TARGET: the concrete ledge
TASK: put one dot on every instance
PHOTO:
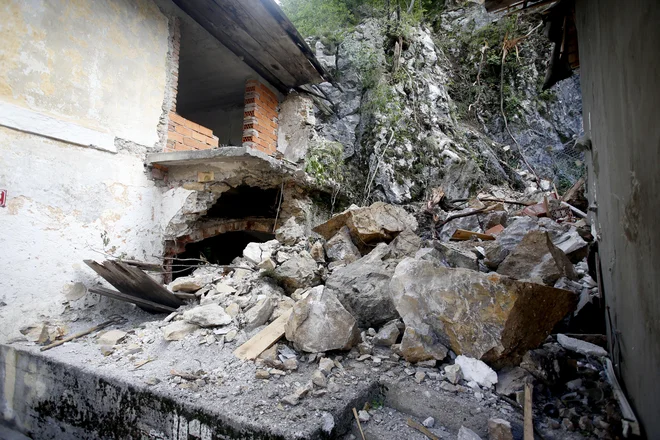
(216, 155)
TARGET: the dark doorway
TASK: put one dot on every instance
(245, 201)
(221, 249)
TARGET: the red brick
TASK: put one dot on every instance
(183, 130)
(175, 136)
(189, 141)
(199, 136)
(191, 125)
(205, 130)
(212, 141)
(176, 118)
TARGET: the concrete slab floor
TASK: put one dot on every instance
(75, 392)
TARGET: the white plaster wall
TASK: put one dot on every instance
(61, 198)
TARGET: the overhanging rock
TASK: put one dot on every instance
(485, 316)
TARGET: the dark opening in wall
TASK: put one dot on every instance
(245, 201)
(221, 249)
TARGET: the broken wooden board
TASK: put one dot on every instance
(263, 340)
(462, 235)
(145, 304)
(135, 283)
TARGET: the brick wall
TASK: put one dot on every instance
(183, 135)
(260, 118)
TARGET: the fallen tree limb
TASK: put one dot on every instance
(464, 214)
(512, 202)
(101, 326)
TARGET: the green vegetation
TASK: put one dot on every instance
(324, 163)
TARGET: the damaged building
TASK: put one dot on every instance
(177, 264)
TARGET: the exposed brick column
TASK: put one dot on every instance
(260, 117)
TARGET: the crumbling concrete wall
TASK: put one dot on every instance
(296, 126)
(619, 76)
(75, 74)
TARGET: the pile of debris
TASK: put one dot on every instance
(487, 293)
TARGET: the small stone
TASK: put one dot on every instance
(259, 313)
(446, 386)
(133, 349)
(568, 425)
(178, 330)
(364, 357)
(431, 363)
(233, 309)
(420, 376)
(363, 416)
(429, 422)
(574, 384)
(467, 434)
(387, 335)
(107, 350)
(478, 395)
(268, 264)
(499, 429)
(317, 252)
(152, 381)
(365, 348)
(326, 365)
(231, 335)
(476, 370)
(453, 373)
(290, 364)
(112, 337)
(579, 346)
(291, 399)
(262, 374)
(371, 332)
(319, 379)
(277, 372)
(376, 361)
(585, 423)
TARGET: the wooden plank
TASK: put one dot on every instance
(528, 424)
(421, 428)
(264, 339)
(463, 234)
(146, 304)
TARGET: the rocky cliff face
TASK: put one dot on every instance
(420, 106)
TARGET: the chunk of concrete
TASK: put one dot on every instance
(537, 259)
(579, 346)
(178, 330)
(111, 337)
(208, 315)
(341, 248)
(258, 314)
(476, 370)
(320, 323)
(484, 316)
(299, 271)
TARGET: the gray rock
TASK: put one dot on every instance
(429, 422)
(258, 314)
(341, 248)
(537, 259)
(406, 244)
(511, 380)
(290, 232)
(363, 287)
(419, 344)
(252, 253)
(363, 416)
(319, 379)
(387, 335)
(299, 271)
(485, 316)
(456, 255)
(208, 315)
(317, 252)
(453, 373)
(508, 239)
(579, 346)
(467, 434)
(188, 284)
(178, 330)
(111, 337)
(473, 222)
(326, 365)
(320, 323)
(499, 429)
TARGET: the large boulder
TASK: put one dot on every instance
(297, 272)
(373, 224)
(363, 287)
(505, 242)
(320, 323)
(538, 260)
(485, 316)
(458, 254)
(341, 248)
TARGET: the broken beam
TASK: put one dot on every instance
(264, 339)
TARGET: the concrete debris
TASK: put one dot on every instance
(537, 259)
(298, 271)
(363, 416)
(363, 287)
(258, 314)
(453, 373)
(208, 315)
(419, 344)
(290, 232)
(511, 381)
(178, 330)
(499, 429)
(319, 379)
(467, 434)
(388, 334)
(379, 222)
(341, 248)
(188, 284)
(429, 422)
(320, 323)
(252, 253)
(326, 365)
(582, 347)
(111, 337)
(476, 370)
(452, 302)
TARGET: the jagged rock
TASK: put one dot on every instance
(485, 316)
(317, 252)
(429, 422)
(537, 259)
(373, 224)
(363, 287)
(473, 223)
(579, 346)
(511, 380)
(178, 330)
(476, 370)
(208, 315)
(290, 232)
(457, 256)
(499, 429)
(571, 243)
(320, 323)
(453, 373)
(419, 344)
(188, 284)
(111, 337)
(268, 265)
(467, 434)
(497, 251)
(252, 253)
(326, 365)
(387, 335)
(319, 379)
(341, 248)
(299, 271)
(258, 314)
(406, 244)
